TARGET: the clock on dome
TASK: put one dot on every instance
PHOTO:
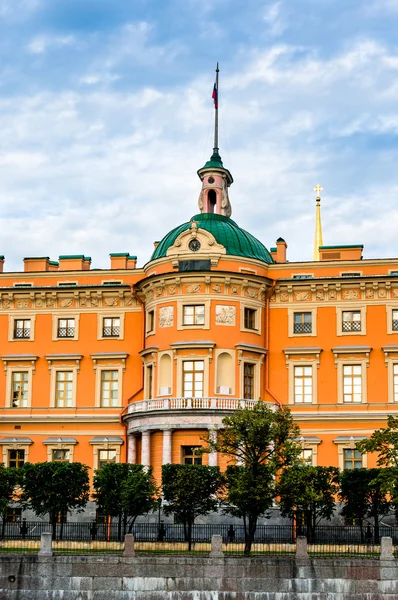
(194, 245)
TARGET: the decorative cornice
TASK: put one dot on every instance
(7, 358)
(64, 358)
(98, 356)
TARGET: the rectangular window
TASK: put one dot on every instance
(352, 383)
(248, 381)
(250, 318)
(22, 329)
(395, 320)
(13, 515)
(351, 320)
(109, 388)
(151, 320)
(302, 322)
(19, 389)
(106, 456)
(111, 327)
(352, 459)
(193, 378)
(63, 388)
(194, 314)
(60, 456)
(303, 384)
(16, 458)
(306, 457)
(149, 381)
(395, 382)
(66, 328)
(189, 455)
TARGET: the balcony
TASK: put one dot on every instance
(185, 404)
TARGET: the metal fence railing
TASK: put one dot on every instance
(79, 537)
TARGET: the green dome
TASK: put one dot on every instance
(235, 240)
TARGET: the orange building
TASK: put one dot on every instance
(129, 364)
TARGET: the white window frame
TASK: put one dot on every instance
(18, 317)
(290, 316)
(301, 378)
(54, 369)
(391, 359)
(339, 314)
(340, 379)
(193, 357)
(98, 389)
(258, 317)
(60, 446)
(349, 445)
(256, 376)
(100, 325)
(17, 446)
(116, 446)
(56, 317)
(19, 369)
(196, 301)
(151, 331)
(389, 312)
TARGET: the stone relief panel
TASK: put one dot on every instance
(302, 296)
(351, 294)
(194, 288)
(225, 315)
(166, 316)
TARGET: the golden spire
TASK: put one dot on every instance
(318, 224)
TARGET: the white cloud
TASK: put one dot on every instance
(42, 43)
(276, 24)
(18, 9)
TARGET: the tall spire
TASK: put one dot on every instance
(215, 178)
(318, 223)
(215, 98)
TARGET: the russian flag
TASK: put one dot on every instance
(215, 96)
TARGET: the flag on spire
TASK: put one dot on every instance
(215, 95)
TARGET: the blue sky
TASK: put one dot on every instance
(106, 115)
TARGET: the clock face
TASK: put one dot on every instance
(194, 245)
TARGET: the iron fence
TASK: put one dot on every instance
(80, 537)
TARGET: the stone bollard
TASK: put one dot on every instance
(386, 549)
(216, 545)
(301, 547)
(129, 545)
(46, 544)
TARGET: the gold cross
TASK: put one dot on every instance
(318, 189)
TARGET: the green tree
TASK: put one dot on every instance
(385, 442)
(261, 442)
(125, 491)
(308, 493)
(190, 491)
(9, 478)
(249, 495)
(365, 494)
(55, 489)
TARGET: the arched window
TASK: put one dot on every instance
(165, 375)
(212, 200)
(225, 382)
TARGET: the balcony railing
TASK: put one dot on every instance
(190, 404)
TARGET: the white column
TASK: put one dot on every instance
(146, 449)
(212, 456)
(166, 453)
(131, 450)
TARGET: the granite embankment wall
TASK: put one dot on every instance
(110, 577)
